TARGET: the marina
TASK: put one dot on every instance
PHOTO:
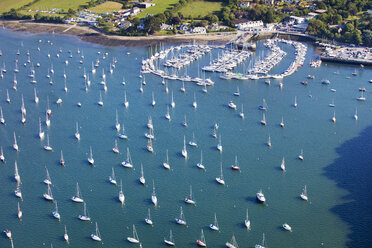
(198, 171)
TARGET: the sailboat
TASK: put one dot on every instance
(48, 196)
(23, 108)
(241, 114)
(184, 123)
(173, 104)
(166, 163)
(128, 162)
(194, 103)
(232, 243)
(287, 227)
(361, 98)
(263, 121)
(219, 145)
(148, 218)
(77, 134)
(304, 194)
(247, 222)
(90, 159)
(100, 102)
(149, 123)
(262, 245)
(193, 142)
(141, 88)
(47, 147)
(220, 179)
(201, 242)
(184, 150)
(117, 125)
(181, 220)
(200, 165)
(134, 239)
(282, 165)
(170, 241)
(23, 119)
(295, 102)
(47, 121)
(20, 214)
(97, 235)
(154, 199)
(17, 177)
(41, 133)
(356, 114)
(167, 115)
(260, 197)
(8, 233)
(7, 96)
(65, 236)
(56, 213)
(269, 142)
(48, 110)
(142, 178)
(2, 157)
(189, 199)
(237, 93)
(62, 161)
(36, 99)
(332, 104)
(205, 90)
(149, 146)
(235, 166)
(214, 226)
(122, 135)
(282, 123)
(263, 106)
(334, 117)
(121, 194)
(301, 156)
(77, 198)
(115, 149)
(126, 103)
(18, 192)
(2, 120)
(166, 87)
(84, 216)
(214, 134)
(232, 105)
(47, 180)
(183, 89)
(112, 178)
(15, 145)
(153, 100)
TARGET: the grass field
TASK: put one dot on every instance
(6, 5)
(57, 4)
(160, 7)
(108, 7)
(198, 9)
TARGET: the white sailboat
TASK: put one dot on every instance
(184, 150)
(154, 199)
(2, 157)
(122, 135)
(235, 166)
(65, 88)
(362, 98)
(282, 123)
(47, 180)
(262, 245)
(47, 121)
(232, 105)
(77, 198)
(77, 134)
(128, 162)
(287, 227)
(134, 239)
(90, 159)
(260, 197)
(301, 156)
(62, 160)
(47, 147)
(17, 177)
(97, 235)
(48, 110)
(193, 142)
(214, 226)
(237, 92)
(126, 103)
(173, 104)
(8, 234)
(181, 220)
(117, 125)
(247, 222)
(166, 87)
(2, 120)
(149, 146)
(115, 149)
(121, 194)
(219, 145)
(148, 218)
(200, 165)
(295, 102)
(304, 194)
(167, 115)
(263, 121)
(23, 108)
(36, 98)
(241, 114)
(170, 241)
(166, 163)
(153, 103)
(149, 123)
(189, 199)
(19, 213)
(7, 96)
(220, 179)
(194, 103)
(84, 216)
(41, 132)
(269, 142)
(183, 89)
(55, 213)
(356, 114)
(15, 145)
(201, 242)
(334, 117)
(142, 178)
(23, 119)
(184, 123)
(18, 192)
(49, 195)
(112, 178)
(232, 243)
(65, 236)
(282, 165)
(141, 88)
(100, 102)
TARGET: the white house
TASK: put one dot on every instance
(249, 25)
(184, 27)
(244, 4)
(199, 30)
(165, 26)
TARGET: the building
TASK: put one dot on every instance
(184, 27)
(244, 4)
(199, 30)
(269, 2)
(135, 11)
(165, 26)
(145, 5)
(246, 26)
(124, 24)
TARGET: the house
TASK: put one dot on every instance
(134, 11)
(199, 30)
(145, 5)
(244, 4)
(165, 26)
(249, 25)
(125, 24)
(184, 27)
(141, 26)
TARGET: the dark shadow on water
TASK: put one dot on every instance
(352, 171)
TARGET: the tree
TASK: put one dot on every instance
(367, 37)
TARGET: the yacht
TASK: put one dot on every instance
(214, 226)
(149, 123)
(150, 148)
(47, 180)
(304, 194)
(18, 192)
(166, 163)
(2, 157)
(122, 135)
(200, 165)
(173, 104)
(117, 125)
(262, 245)
(134, 239)
(170, 241)
(241, 114)
(181, 220)
(2, 120)
(148, 218)
(77, 198)
(235, 166)
(47, 147)
(17, 177)
(47, 120)
(260, 197)
(154, 199)
(112, 178)
(361, 98)
(84, 216)
(183, 89)
(128, 162)
(189, 199)
(282, 123)
(356, 114)
(77, 134)
(41, 132)
(100, 102)
(15, 145)
(36, 99)
(232, 105)
(301, 156)
(201, 242)
(62, 161)
(19, 214)
(97, 235)
(121, 194)
(90, 159)
(332, 105)
(153, 100)
(8, 234)
(115, 149)
(126, 103)
(282, 165)
(194, 103)
(269, 142)
(7, 96)
(167, 115)
(232, 243)
(48, 196)
(184, 150)
(334, 117)
(219, 145)
(65, 236)
(263, 121)
(237, 93)
(193, 142)
(247, 222)
(142, 178)
(56, 213)
(184, 123)
(220, 179)
(295, 102)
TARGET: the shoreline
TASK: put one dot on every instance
(91, 35)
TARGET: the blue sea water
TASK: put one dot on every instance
(324, 221)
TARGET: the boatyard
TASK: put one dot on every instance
(350, 55)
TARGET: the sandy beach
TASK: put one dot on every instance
(89, 34)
